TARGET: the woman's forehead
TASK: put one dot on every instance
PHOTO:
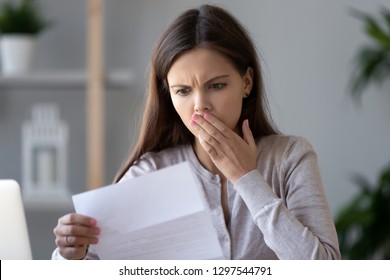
(199, 62)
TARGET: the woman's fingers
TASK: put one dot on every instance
(74, 218)
(233, 155)
(247, 134)
(78, 230)
(76, 225)
(75, 241)
(212, 128)
(74, 232)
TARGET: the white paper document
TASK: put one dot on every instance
(159, 215)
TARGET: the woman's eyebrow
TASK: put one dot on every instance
(216, 78)
(205, 83)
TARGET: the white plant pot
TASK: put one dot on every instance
(16, 52)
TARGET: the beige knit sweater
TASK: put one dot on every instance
(278, 211)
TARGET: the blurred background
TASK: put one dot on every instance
(307, 49)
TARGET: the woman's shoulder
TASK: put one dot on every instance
(283, 140)
(284, 153)
(284, 144)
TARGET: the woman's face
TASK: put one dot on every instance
(203, 81)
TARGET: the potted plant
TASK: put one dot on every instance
(20, 23)
(372, 62)
(363, 225)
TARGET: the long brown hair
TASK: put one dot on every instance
(207, 27)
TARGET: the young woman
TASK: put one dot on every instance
(206, 105)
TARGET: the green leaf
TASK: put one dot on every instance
(372, 63)
(363, 225)
(386, 16)
(24, 18)
(374, 30)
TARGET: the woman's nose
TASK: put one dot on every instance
(201, 103)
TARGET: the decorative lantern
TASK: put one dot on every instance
(44, 151)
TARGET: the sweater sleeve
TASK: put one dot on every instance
(91, 255)
(298, 225)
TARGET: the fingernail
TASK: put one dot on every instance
(195, 116)
(193, 123)
(207, 116)
(93, 222)
(97, 230)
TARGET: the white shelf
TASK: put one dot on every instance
(76, 78)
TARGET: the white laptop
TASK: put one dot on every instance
(14, 239)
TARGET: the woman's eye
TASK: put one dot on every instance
(183, 91)
(217, 86)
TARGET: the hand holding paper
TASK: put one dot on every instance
(159, 215)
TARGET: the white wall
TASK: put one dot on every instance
(307, 48)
